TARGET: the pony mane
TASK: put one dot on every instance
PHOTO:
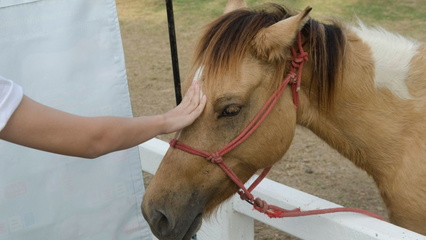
(227, 39)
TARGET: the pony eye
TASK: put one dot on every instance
(230, 111)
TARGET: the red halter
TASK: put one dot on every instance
(294, 78)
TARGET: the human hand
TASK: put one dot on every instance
(187, 111)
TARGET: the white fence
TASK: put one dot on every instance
(235, 220)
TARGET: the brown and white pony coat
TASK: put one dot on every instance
(363, 92)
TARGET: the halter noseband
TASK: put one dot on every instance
(294, 78)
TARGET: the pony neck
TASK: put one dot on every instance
(347, 124)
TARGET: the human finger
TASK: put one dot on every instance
(200, 107)
(193, 96)
(190, 94)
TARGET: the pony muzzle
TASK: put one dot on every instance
(166, 226)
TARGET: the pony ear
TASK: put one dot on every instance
(234, 5)
(269, 43)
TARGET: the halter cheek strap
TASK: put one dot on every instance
(296, 69)
(294, 78)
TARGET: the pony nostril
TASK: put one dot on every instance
(161, 223)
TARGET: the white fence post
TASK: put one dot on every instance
(235, 218)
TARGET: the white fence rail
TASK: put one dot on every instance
(235, 220)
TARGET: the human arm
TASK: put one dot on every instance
(41, 127)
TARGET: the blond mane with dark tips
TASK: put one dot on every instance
(227, 40)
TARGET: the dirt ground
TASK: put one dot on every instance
(310, 165)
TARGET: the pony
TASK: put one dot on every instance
(362, 90)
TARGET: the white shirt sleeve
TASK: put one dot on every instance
(10, 97)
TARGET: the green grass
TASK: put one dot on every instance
(385, 9)
(389, 10)
(407, 17)
(378, 10)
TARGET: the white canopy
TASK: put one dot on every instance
(68, 55)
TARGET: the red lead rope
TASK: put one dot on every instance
(293, 77)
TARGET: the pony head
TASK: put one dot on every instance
(239, 62)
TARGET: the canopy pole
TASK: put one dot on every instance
(173, 50)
